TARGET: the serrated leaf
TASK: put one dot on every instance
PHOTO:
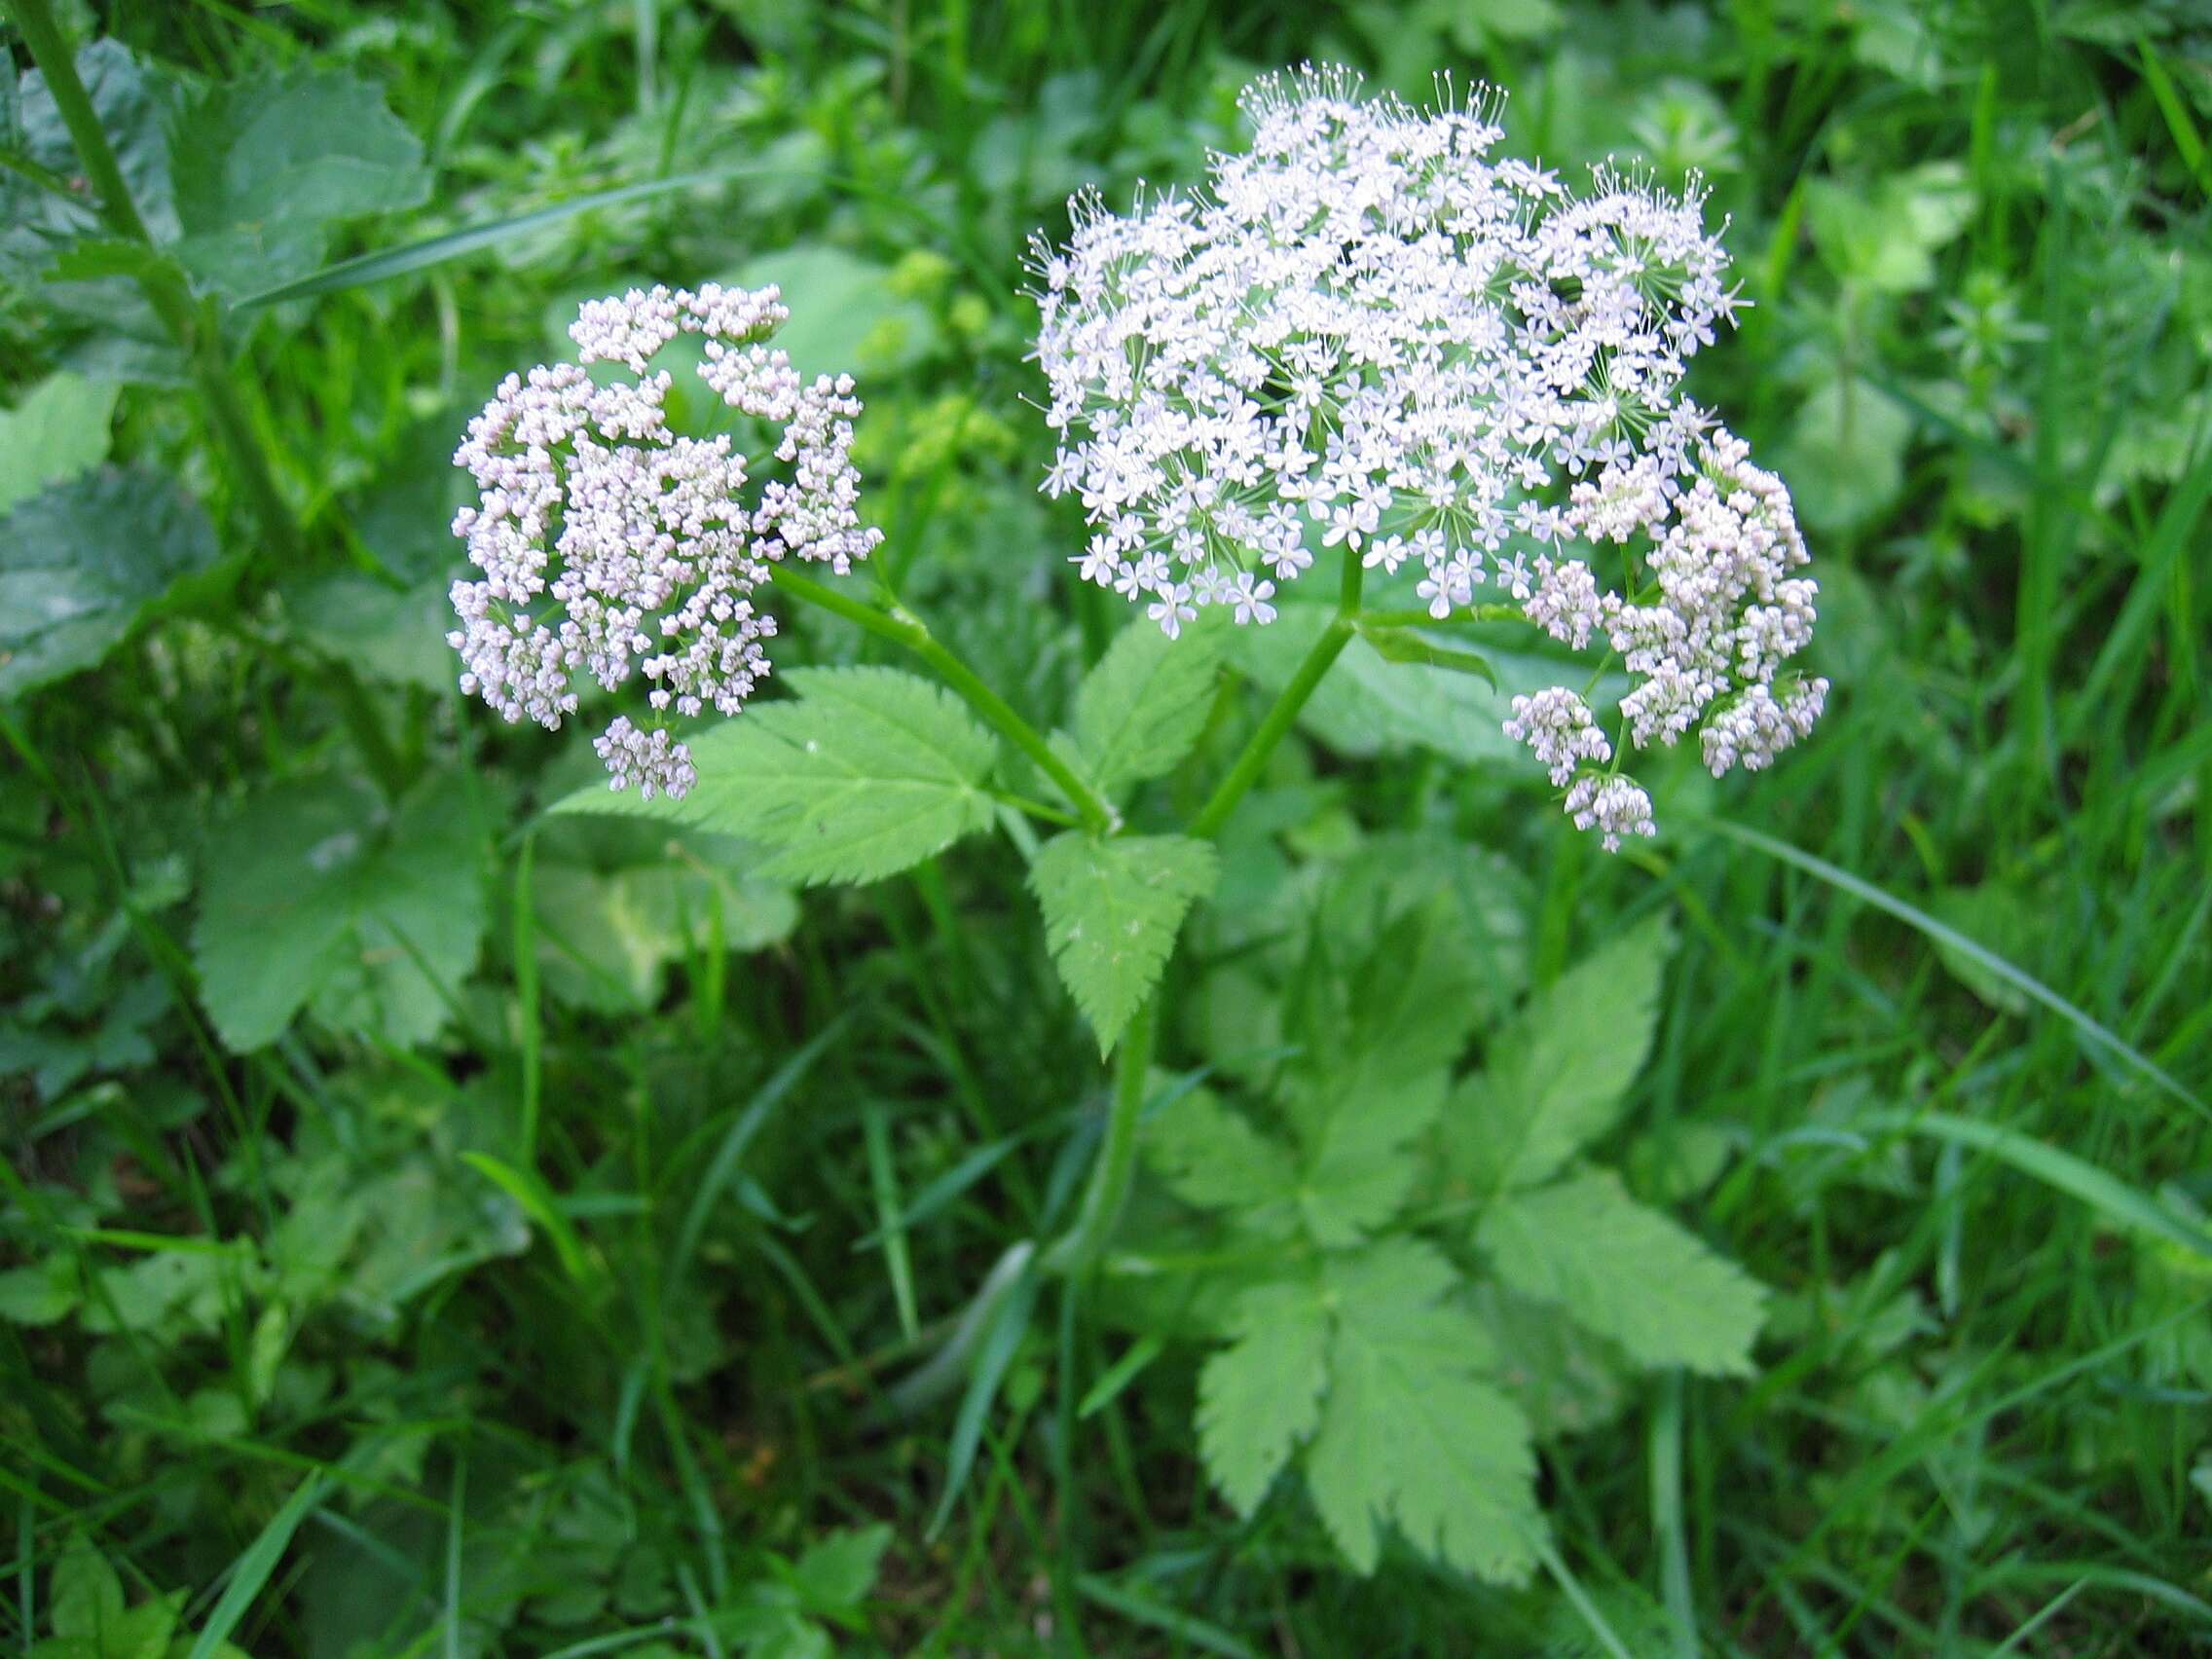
(1260, 1397)
(83, 562)
(1214, 1159)
(309, 894)
(1556, 1075)
(866, 773)
(1112, 910)
(1362, 1165)
(1138, 712)
(1627, 1273)
(275, 162)
(59, 430)
(1410, 1435)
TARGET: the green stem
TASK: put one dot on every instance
(1109, 1191)
(1287, 707)
(1109, 1177)
(902, 627)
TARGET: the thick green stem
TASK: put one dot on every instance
(902, 627)
(1287, 707)
(1109, 1177)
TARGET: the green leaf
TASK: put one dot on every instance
(847, 314)
(274, 163)
(836, 1575)
(1362, 1165)
(1845, 454)
(1556, 1074)
(132, 103)
(1139, 710)
(1112, 908)
(1260, 1398)
(86, 1594)
(1212, 1158)
(59, 430)
(83, 562)
(866, 773)
(40, 1293)
(1369, 705)
(309, 894)
(1410, 1435)
(1627, 1273)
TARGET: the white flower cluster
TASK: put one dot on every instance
(608, 544)
(1367, 332)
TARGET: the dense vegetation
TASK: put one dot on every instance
(435, 1223)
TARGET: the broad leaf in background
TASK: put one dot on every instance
(1368, 705)
(82, 563)
(1260, 1398)
(1555, 1076)
(1112, 908)
(1139, 710)
(847, 316)
(1411, 1434)
(59, 430)
(866, 773)
(1845, 455)
(311, 895)
(1627, 1273)
(276, 162)
(134, 105)
(606, 938)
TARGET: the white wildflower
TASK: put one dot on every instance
(608, 546)
(1368, 333)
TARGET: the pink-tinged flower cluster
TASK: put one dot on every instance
(609, 546)
(1368, 332)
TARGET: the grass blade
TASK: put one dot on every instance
(538, 1203)
(251, 1571)
(1981, 955)
(386, 263)
(2124, 1205)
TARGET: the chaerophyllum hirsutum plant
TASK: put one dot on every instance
(1367, 356)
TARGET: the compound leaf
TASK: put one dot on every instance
(1627, 1273)
(1557, 1073)
(1260, 1397)
(1412, 1436)
(1362, 1165)
(1139, 710)
(1112, 908)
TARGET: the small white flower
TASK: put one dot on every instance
(1251, 601)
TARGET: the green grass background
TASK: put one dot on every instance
(1973, 236)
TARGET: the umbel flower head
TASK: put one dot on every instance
(611, 546)
(1368, 333)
